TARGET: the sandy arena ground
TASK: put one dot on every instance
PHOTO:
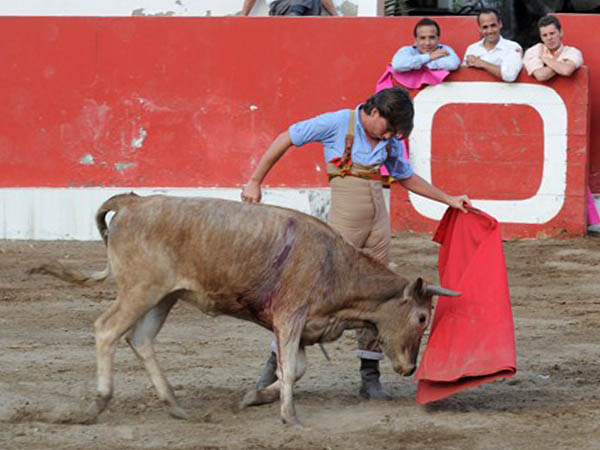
(47, 368)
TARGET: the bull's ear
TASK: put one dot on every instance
(416, 288)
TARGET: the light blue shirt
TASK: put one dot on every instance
(331, 128)
(409, 58)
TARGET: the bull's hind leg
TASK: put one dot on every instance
(129, 306)
(141, 340)
(270, 393)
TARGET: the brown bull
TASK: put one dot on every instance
(279, 268)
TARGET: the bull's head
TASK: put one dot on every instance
(402, 322)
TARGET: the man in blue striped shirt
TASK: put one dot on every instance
(427, 50)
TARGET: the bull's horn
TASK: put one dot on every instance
(432, 289)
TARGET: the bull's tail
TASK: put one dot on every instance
(114, 204)
(75, 276)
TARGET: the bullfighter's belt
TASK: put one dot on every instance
(343, 166)
(365, 174)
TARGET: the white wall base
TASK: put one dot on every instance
(69, 213)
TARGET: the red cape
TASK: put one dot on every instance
(472, 337)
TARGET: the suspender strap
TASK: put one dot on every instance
(346, 162)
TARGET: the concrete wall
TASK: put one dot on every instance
(93, 106)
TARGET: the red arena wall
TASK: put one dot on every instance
(578, 32)
(194, 102)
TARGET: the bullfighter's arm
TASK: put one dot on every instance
(251, 192)
(418, 185)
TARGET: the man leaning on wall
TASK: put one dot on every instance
(293, 7)
(427, 51)
(496, 55)
(544, 61)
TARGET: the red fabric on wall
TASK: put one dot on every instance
(472, 336)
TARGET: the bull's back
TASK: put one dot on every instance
(225, 247)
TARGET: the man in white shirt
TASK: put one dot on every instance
(494, 54)
(551, 56)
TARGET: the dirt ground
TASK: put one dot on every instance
(47, 368)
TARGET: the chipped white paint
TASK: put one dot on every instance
(202, 8)
(548, 200)
(137, 142)
(68, 213)
(87, 160)
(149, 105)
(253, 107)
(122, 166)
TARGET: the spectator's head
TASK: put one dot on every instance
(390, 112)
(427, 35)
(490, 25)
(550, 32)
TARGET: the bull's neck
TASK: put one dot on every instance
(372, 283)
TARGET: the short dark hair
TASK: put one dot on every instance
(489, 11)
(549, 20)
(394, 105)
(426, 22)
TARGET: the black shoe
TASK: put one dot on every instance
(268, 375)
(370, 386)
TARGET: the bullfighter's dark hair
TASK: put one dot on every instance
(489, 11)
(394, 105)
(549, 20)
(426, 22)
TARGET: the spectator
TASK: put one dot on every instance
(548, 59)
(425, 62)
(551, 57)
(494, 54)
(293, 7)
(427, 50)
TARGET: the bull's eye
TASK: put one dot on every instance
(422, 318)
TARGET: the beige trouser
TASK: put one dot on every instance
(359, 214)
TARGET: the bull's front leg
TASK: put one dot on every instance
(271, 393)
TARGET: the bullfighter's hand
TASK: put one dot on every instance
(251, 193)
(459, 202)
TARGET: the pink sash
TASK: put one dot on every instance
(412, 79)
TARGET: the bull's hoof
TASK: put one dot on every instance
(292, 422)
(96, 408)
(178, 412)
(250, 399)
(256, 398)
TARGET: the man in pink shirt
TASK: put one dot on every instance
(547, 59)
(551, 57)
